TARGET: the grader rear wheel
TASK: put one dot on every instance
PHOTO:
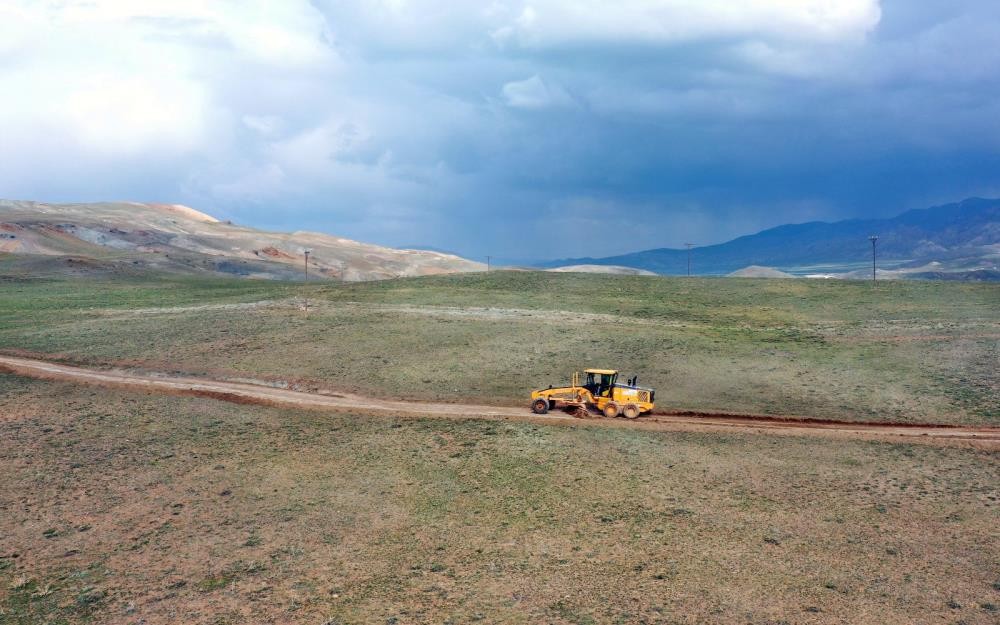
(611, 410)
(631, 411)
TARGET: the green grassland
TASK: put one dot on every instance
(122, 507)
(901, 351)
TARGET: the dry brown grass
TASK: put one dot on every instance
(126, 508)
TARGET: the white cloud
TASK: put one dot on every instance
(554, 22)
(286, 33)
(266, 125)
(314, 150)
(124, 77)
(115, 114)
(265, 182)
(534, 93)
(337, 157)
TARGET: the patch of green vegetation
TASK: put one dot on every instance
(716, 300)
(210, 584)
(232, 573)
(48, 298)
(27, 601)
(563, 611)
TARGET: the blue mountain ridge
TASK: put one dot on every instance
(957, 233)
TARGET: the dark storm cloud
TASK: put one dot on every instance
(530, 129)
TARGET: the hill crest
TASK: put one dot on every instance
(178, 238)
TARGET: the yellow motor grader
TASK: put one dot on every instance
(596, 390)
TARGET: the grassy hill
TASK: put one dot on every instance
(902, 351)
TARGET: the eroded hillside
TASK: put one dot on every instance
(131, 236)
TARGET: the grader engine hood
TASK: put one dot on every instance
(634, 393)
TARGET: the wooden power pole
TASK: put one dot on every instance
(873, 239)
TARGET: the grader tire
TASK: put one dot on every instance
(611, 410)
(540, 406)
(631, 411)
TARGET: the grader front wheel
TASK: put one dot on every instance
(540, 406)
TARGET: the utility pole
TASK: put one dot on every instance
(488, 260)
(873, 239)
(307, 279)
(689, 246)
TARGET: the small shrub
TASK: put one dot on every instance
(89, 596)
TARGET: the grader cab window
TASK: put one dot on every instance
(600, 385)
(607, 382)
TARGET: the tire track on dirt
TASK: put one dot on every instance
(245, 393)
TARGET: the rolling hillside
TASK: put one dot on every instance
(133, 237)
(961, 238)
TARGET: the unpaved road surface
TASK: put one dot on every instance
(246, 393)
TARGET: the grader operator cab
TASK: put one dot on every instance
(596, 390)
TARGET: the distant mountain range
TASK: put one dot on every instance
(952, 242)
(132, 238)
(961, 238)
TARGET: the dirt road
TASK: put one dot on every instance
(245, 393)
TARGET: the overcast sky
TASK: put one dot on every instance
(519, 128)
